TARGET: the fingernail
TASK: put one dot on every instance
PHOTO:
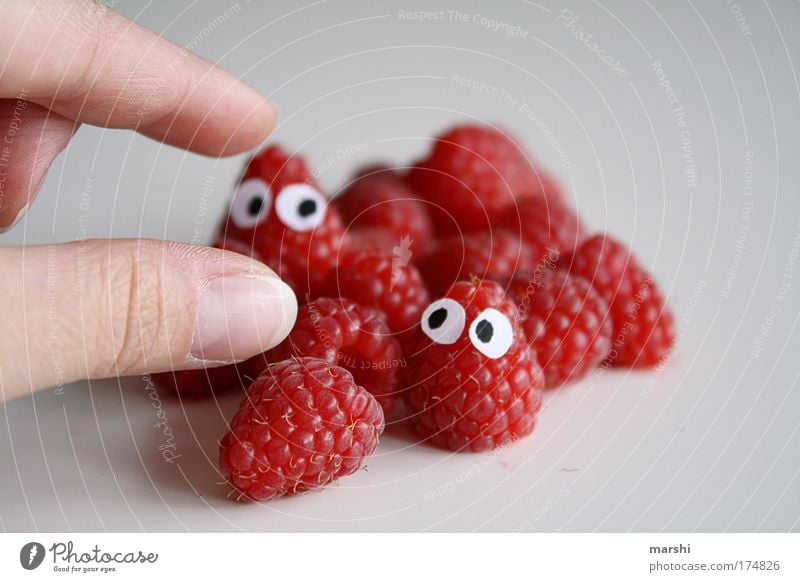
(239, 316)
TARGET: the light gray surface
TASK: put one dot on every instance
(709, 443)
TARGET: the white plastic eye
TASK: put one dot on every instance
(444, 321)
(300, 207)
(491, 334)
(250, 204)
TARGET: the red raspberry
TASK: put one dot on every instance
(604, 262)
(344, 333)
(380, 200)
(474, 381)
(496, 255)
(303, 424)
(565, 320)
(547, 227)
(472, 175)
(643, 323)
(389, 283)
(644, 327)
(380, 241)
(280, 215)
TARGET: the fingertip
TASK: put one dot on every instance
(33, 139)
(234, 122)
(253, 125)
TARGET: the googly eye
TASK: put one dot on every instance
(300, 207)
(250, 204)
(444, 321)
(491, 333)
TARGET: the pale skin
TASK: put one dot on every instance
(104, 308)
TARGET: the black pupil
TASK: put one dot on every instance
(254, 207)
(307, 207)
(484, 330)
(437, 318)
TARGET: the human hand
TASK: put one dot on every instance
(102, 308)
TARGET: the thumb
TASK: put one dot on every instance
(101, 308)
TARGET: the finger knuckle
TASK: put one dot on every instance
(94, 25)
(139, 320)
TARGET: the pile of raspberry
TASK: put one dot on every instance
(448, 295)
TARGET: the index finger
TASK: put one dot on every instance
(91, 64)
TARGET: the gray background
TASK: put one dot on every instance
(708, 443)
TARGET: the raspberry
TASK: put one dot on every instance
(565, 320)
(278, 168)
(643, 325)
(474, 381)
(472, 175)
(380, 200)
(280, 216)
(303, 424)
(388, 283)
(344, 333)
(547, 227)
(378, 240)
(484, 255)
(604, 262)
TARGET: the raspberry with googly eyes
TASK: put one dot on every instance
(474, 382)
(279, 215)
